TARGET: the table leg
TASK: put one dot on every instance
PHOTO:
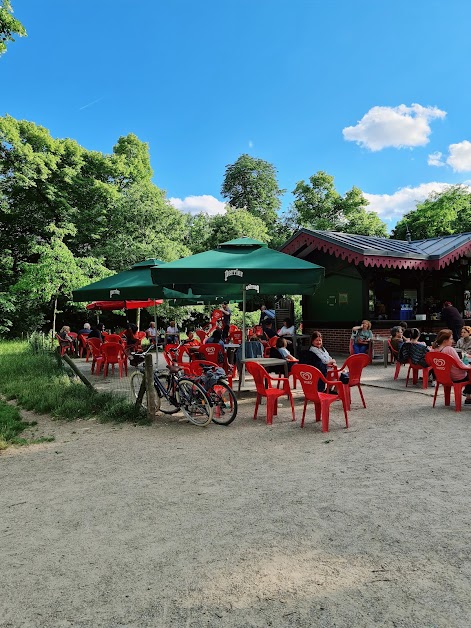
(385, 353)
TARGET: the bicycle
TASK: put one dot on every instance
(213, 380)
(175, 392)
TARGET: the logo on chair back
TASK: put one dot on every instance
(210, 350)
(231, 273)
(307, 377)
(112, 292)
(438, 362)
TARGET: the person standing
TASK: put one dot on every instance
(226, 319)
(452, 319)
(266, 315)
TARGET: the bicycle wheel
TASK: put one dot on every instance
(136, 380)
(194, 402)
(225, 403)
(168, 402)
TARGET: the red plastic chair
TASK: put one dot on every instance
(202, 335)
(113, 353)
(441, 364)
(114, 338)
(236, 337)
(265, 389)
(394, 357)
(354, 364)
(94, 345)
(309, 377)
(82, 345)
(415, 368)
(140, 335)
(65, 345)
(170, 356)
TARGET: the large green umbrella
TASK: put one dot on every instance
(233, 268)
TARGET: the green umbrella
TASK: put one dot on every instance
(233, 268)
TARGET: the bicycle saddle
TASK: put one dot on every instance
(173, 369)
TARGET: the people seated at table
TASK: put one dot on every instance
(443, 344)
(85, 329)
(362, 337)
(413, 350)
(320, 351)
(397, 338)
(172, 334)
(281, 345)
(464, 343)
(216, 338)
(96, 332)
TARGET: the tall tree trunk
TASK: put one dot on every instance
(54, 318)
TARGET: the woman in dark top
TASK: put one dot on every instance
(96, 332)
(452, 319)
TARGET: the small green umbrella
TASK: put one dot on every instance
(233, 268)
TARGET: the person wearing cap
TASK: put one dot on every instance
(452, 319)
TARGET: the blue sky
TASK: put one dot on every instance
(373, 92)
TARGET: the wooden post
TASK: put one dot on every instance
(151, 394)
(76, 370)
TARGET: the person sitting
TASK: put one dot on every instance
(283, 351)
(172, 334)
(216, 338)
(464, 343)
(85, 330)
(192, 340)
(397, 338)
(130, 337)
(414, 350)
(268, 330)
(65, 339)
(362, 336)
(287, 329)
(96, 332)
(151, 332)
(443, 344)
(320, 351)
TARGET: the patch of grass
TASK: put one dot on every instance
(11, 425)
(40, 383)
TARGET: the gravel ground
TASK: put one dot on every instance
(244, 526)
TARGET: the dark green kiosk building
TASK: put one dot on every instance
(382, 280)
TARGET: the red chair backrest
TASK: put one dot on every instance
(112, 351)
(82, 340)
(258, 330)
(140, 335)
(216, 354)
(236, 337)
(309, 377)
(170, 355)
(394, 353)
(355, 365)
(233, 328)
(260, 376)
(113, 338)
(201, 334)
(216, 315)
(73, 334)
(95, 345)
(441, 364)
(272, 341)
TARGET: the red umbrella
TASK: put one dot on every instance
(122, 305)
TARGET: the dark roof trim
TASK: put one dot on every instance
(430, 254)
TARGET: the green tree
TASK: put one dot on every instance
(206, 232)
(9, 26)
(252, 184)
(56, 272)
(318, 205)
(442, 213)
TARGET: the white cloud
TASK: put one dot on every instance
(250, 144)
(435, 159)
(399, 127)
(394, 206)
(460, 156)
(196, 204)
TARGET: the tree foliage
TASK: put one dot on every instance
(9, 26)
(442, 213)
(252, 184)
(318, 205)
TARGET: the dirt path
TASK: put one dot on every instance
(172, 525)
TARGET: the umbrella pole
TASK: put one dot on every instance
(155, 323)
(244, 307)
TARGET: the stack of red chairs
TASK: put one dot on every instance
(113, 353)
